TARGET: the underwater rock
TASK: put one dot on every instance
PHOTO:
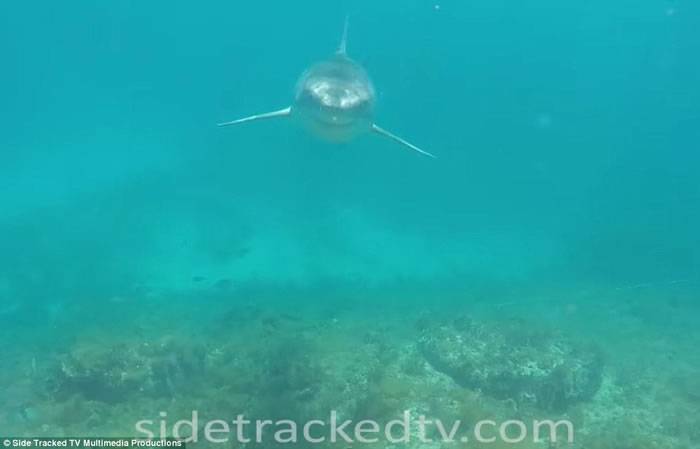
(300, 373)
(510, 362)
(113, 374)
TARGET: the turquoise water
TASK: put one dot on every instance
(150, 261)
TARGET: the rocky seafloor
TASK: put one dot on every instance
(626, 379)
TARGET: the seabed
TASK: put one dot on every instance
(630, 381)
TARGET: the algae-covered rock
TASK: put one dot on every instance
(114, 373)
(510, 363)
(293, 370)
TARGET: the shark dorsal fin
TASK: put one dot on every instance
(342, 48)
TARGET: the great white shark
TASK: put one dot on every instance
(334, 99)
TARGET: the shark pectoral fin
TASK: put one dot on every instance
(398, 139)
(281, 113)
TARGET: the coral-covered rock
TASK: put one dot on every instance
(512, 363)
